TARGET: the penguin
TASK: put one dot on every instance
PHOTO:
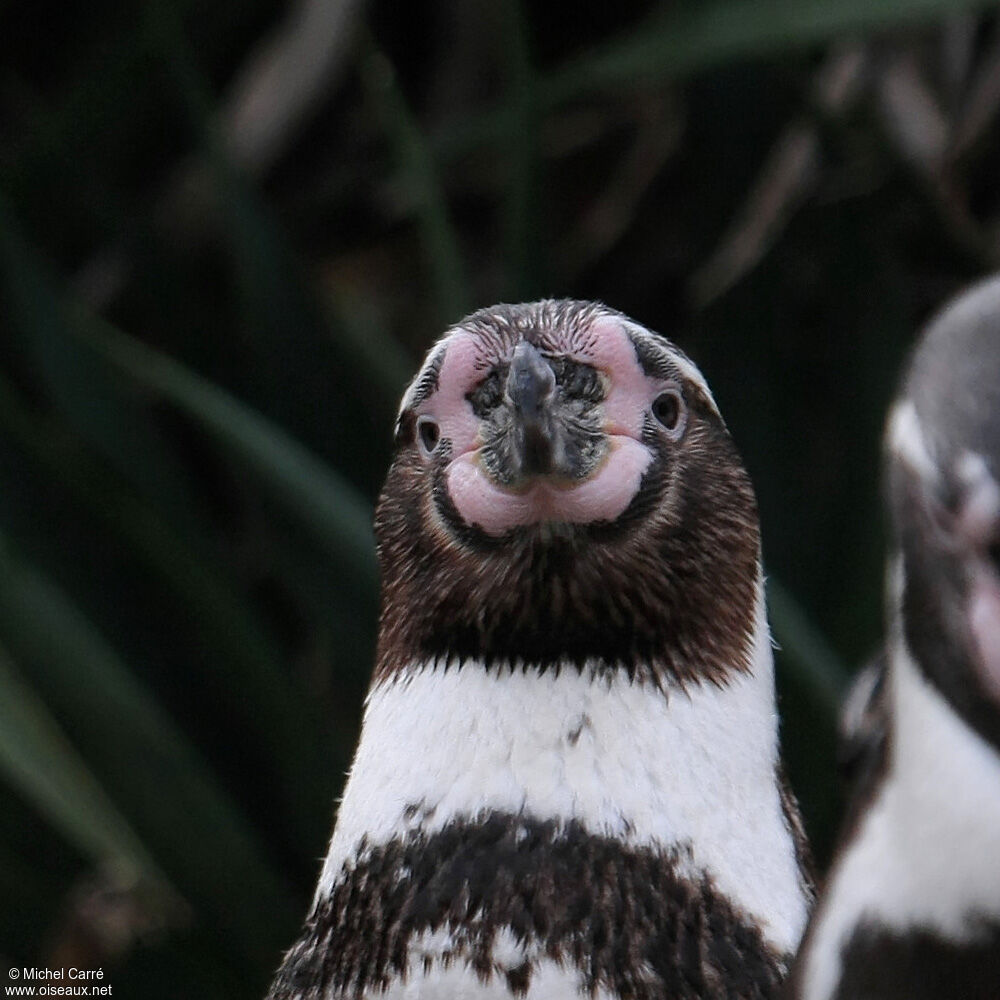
(911, 908)
(861, 726)
(567, 782)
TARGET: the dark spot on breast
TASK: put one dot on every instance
(418, 811)
(573, 736)
(519, 978)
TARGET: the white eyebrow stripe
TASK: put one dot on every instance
(687, 368)
(416, 391)
(905, 438)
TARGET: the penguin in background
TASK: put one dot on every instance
(567, 783)
(911, 908)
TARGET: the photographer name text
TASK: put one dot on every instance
(79, 983)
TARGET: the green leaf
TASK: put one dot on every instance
(40, 761)
(282, 321)
(416, 163)
(259, 689)
(41, 305)
(161, 786)
(80, 386)
(696, 36)
(246, 663)
(367, 346)
(691, 38)
(805, 648)
(322, 499)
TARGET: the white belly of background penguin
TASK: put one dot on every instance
(567, 783)
(912, 906)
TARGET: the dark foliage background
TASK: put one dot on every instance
(229, 231)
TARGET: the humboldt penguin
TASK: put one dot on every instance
(911, 909)
(567, 783)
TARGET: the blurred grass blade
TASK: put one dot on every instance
(805, 649)
(335, 512)
(166, 792)
(245, 658)
(691, 38)
(327, 503)
(79, 386)
(365, 343)
(415, 160)
(696, 36)
(38, 759)
(174, 554)
(294, 356)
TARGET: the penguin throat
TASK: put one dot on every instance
(558, 604)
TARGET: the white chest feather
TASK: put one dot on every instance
(455, 980)
(649, 767)
(927, 852)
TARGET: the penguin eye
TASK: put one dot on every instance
(428, 433)
(668, 409)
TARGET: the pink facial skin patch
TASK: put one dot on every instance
(984, 619)
(602, 496)
(975, 528)
(630, 391)
(463, 368)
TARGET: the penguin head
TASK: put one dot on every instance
(943, 482)
(563, 487)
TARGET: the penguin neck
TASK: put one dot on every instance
(923, 856)
(941, 789)
(689, 770)
(939, 794)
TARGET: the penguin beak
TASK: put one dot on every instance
(545, 425)
(537, 436)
